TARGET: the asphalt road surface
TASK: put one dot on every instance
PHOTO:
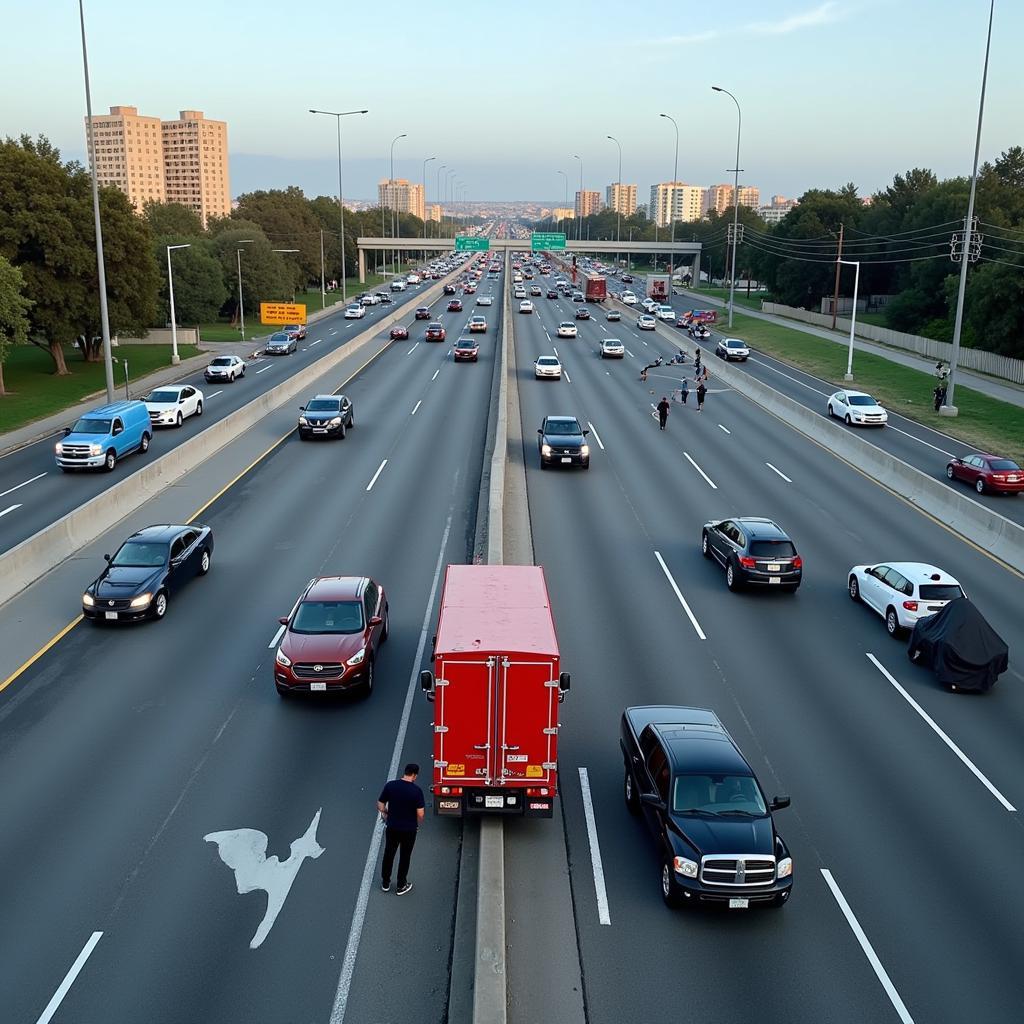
(894, 836)
(130, 745)
(31, 481)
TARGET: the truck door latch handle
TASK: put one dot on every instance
(481, 746)
(510, 746)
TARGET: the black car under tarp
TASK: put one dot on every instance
(960, 647)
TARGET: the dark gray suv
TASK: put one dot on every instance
(325, 416)
(752, 551)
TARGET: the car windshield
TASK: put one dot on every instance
(88, 426)
(861, 400)
(612, 343)
(313, 617)
(323, 405)
(163, 396)
(735, 344)
(721, 795)
(280, 336)
(221, 361)
(1003, 464)
(141, 554)
(940, 591)
(566, 323)
(562, 427)
(772, 549)
(465, 343)
(434, 327)
(547, 361)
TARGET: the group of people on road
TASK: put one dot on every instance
(700, 377)
(665, 406)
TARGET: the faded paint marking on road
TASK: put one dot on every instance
(600, 891)
(678, 593)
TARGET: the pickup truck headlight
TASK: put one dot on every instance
(687, 868)
(95, 449)
(785, 868)
(545, 449)
(357, 658)
(87, 600)
(58, 448)
(141, 601)
(282, 659)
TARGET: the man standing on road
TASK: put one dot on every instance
(401, 808)
(701, 392)
(663, 408)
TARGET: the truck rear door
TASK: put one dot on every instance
(527, 727)
(464, 707)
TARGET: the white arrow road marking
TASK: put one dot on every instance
(69, 979)
(244, 850)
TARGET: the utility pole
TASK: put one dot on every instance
(835, 294)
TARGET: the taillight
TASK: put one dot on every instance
(798, 562)
(747, 562)
(911, 606)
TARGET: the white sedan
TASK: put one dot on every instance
(612, 348)
(665, 313)
(355, 312)
(547, 366)
(857, 409)
(526, 306)
(902, 592)
(484, 300)
(566, 329)
(169, 405)
(628, 298)
(646, 323)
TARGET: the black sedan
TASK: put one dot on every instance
(449, 289)
(146, 571)
(552, 294)
(563, 442)
(753, 551)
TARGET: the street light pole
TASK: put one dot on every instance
(671, 212)
(241, 304)
(566, 177)
(396, 225)
(736, 204)
(440, 202)
(853, 316)
(579, 222)
(425, 162)
(323, 282)
(618, 202)
(175, 359)
(948, 408)
(108, 364)
(449, 192)
(338, 115)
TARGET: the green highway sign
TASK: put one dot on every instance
(467, 243)
(547, 240)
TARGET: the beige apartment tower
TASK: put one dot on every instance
(719, 197)
(587, 202)
(183, 161)
(401, 195)
(620, 198)
(675, 200)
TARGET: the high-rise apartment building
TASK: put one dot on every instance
(129, 154)
(434, 212)
(675, 200)
(777, 209)
(183, 161)
(401, 195)
(719, 197)
(620, 198)
(563, 213)
(587, 202)
(196, 164)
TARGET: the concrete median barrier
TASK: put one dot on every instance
(32, 558)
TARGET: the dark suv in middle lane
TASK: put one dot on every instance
(562, 441)
(326, 416)
(752, 550)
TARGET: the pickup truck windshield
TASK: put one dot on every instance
(720, 795)
(88, 426)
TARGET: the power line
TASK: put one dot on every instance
(831, 262)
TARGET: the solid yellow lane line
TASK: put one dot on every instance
(42, 650)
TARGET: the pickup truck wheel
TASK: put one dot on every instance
(110, 461)
(629, 792)
(669, 887)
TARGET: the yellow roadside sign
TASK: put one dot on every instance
(282, 313)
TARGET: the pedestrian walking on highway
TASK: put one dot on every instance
(401, 808)
(701, 392)
(663, 408)
(685, 390)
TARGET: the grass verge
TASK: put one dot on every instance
(34, 391)
(984, 422)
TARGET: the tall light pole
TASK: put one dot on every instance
(618, 201)
(948, 408)
(108, 364)
(671, 211)
(853, 317)
(425, 162)
(175, 358)
(736, 209)
(241, 304)
(566, 177)
(448, 191)
(579, 223)
(396, 225)
(338, 115)
(440, 202)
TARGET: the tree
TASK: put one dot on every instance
(14, 309)
(285, 217)
(199, 288)
(265, 277)
(173, 219)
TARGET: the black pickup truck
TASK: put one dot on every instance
(703, 803)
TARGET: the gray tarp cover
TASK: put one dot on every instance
(959, 646)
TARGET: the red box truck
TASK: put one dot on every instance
(597, 288)
(496, 689)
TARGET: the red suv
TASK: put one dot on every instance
(331, 637)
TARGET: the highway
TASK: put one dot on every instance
(895, 837)
(131, 745)
(32, 482)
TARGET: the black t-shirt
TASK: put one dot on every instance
(403, 800)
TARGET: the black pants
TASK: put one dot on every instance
(394, 840)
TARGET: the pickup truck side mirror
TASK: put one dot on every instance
(586, 432)
(653, 801)
(427, 685)
(779, 802)
(67, 430)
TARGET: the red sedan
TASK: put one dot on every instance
(399, 333)
(466, 348)
(988, 473)
(435, 332)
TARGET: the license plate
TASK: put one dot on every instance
(774, 579)
(317, 687)
(566, 459)
(738, 903)
(110, 615)
(774, 567)
(319, 430)
(494, 801)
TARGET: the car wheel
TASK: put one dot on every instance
(980, 486)
(830, 412)
(586, 465)
(199, 408)
(848, 421)
(386, 631)
(543, 464)
(160, 605)
(705, 544)
(177, 421)
(231, 377)
(204, 563)
(351, 421)
(854, 588)
(669, 887)
(949, 472)
(110, 460)
(144, 444)
(629, 793)
(341, 433)
(732, 580)
(368, 682)
(242, 374)
(892, 622)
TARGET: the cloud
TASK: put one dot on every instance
(823, 14)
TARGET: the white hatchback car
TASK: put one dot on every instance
(547, 366)
(665, 313)
(857, 409)
(172, 403)
(526, 306)
(646, 323)
(355, 312)
(612, 348)
(566, 329)
(484, 300)
(902, 592)
(628, 298)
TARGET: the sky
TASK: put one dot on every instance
(831, 91)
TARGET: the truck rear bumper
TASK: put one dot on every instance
(504, 801)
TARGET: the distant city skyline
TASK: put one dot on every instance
(831, 91)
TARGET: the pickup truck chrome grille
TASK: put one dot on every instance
(737, 870)
(75, 451)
